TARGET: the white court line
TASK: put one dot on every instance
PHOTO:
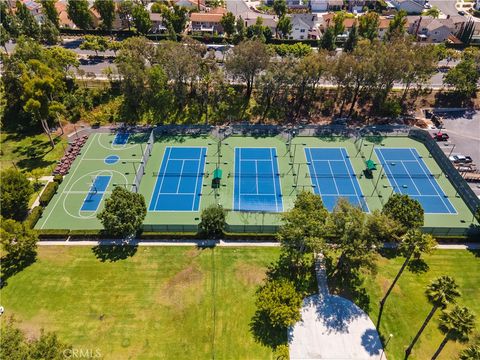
(387, 169)
(169, 148)
(314, 171)
(331, 172)
(196, 179)
(273, 178)
(69, 180)
(180, 175)
(256, 175)
(410, 177)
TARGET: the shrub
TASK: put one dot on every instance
(48, 193)
(58, 178)
(34, 216)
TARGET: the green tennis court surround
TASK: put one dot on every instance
(253, 178)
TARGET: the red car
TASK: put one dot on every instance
(440, 136)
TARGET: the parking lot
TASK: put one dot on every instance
(463, 128)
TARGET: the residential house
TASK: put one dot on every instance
(157, 23)
(63, 18)
(35, 9)
(267, 20)
(348, 23)
(430, 30)
(318, 5)
(410, 6)
(97, 19)
(358, 5)
(304, 26)
(291, 3)
(208, 22)
(335, 5)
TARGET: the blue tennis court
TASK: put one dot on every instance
(95, 194)
(257, 180)
(121, 138)
(408, 174)
(333, 177)
(179, 181)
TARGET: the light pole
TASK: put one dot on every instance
(386, 343)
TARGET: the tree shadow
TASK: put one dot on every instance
(388, 253)
(266, 334)
(371, 342)
(12, 265)
(114, 252)
(475, 252)
(418, 266)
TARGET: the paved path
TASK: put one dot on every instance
(333, 327)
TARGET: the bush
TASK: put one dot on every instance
(48, 193)
(34, 216)
(213, 221)
(58, 179)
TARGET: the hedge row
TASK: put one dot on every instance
(33, 216)
(48, 193)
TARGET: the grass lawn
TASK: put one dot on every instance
(162, 302)
(30, 152)
(407, 307)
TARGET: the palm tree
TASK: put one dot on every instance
(433, 12)
(413, 244)
(456, 325)
(440, 292)
(470, 353)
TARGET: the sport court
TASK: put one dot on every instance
(333, 177)
(408, 174)
(257, 180)
(179, 183)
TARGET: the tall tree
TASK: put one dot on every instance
(284, 26)
(4, 38)
(470, 353)
(49, 33)
(440, 292)
(433, 12)
(16, 191)
(106, 9)
(95, 43)
(413, 245)
(327, 41)
(175, 17)
(241, 32)
(213, 221)
(456, 325)
(18, 241)
(463, 78)
(368, 25)
(228, 23)
(246, 61)
(338, 23)
(352, 39)
(125, 9)
(48, 7)
(405, 210)
(124, 213)
(280, 7)
(141, 19)
(78, 12)
(28, 24)
(396, 28)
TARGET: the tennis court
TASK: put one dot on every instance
(95, 194)
(257, 180)
(332, 176)
(408, 174)
(179, 182)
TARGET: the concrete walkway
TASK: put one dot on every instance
(333, 327)
(46, 179)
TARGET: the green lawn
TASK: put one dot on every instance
(162, 302)
(30, 152)
(407, 307)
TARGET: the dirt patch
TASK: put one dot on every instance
(179, 290)
(385, 284)
(56, 254)
(249, 274)
(31, 328)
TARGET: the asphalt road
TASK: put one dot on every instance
(445, 6)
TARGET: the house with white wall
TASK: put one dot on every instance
(410, 6)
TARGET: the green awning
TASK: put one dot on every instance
(371, 165)
(217, 174)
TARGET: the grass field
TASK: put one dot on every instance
(30, 152)
(407, 307)
(162, 302)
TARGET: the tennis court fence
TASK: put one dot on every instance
(450, 172)
(141, 168)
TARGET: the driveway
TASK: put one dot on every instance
(333, 327)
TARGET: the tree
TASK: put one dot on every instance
(16, 191)
(279, 302)
(258, 31)
(176, 18)
(48, 346)
(28, 25)
(413, 244)
(213, 222)
(338, 23)
(368, 25)
(280, 7)
(228, 23)
(95, 43)
(48, 7)
(327, 41)
(49, 33)
(433, 12)
(141, 19)
(125, 9)
(396, 28)
(124, 213)
(470, 353)
(352, 39)
(407, 211)
(18, 241)
(456, 325)
(284, 26)
(78, 12)
(4, 38)
(240, 31)
(463, 78)
(440, 292)
(466, 31)
(246, 61)
(106, 9)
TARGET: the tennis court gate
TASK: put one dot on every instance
(143, 163)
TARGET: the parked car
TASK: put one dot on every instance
(440, 136)
(461, 12)
(460, 159)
